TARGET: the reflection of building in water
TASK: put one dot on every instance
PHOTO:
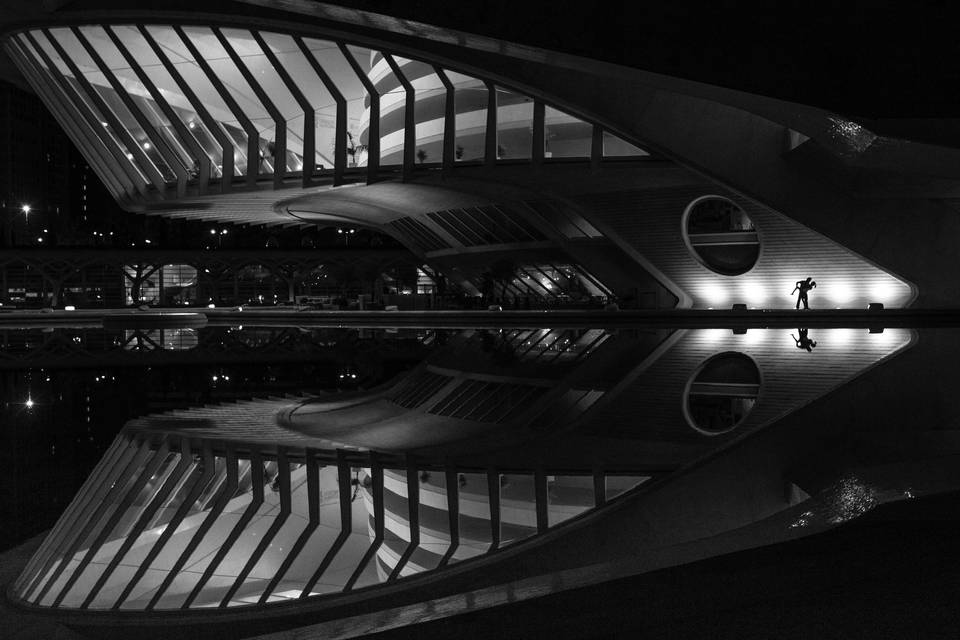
(723, 392)
(173, 518)
(168, 339)
(95, 346)
(478, 532)
(480, 448)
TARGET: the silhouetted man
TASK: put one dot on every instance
(803, 286)
(804, 342)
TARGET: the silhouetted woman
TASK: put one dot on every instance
(803, 286)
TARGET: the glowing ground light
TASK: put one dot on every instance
(837, 292)
(714, 335)
(841, 337)
(756, 336)
(29, 403)
(715, 295)
(884, 292)
(829, 293)
(751, 293)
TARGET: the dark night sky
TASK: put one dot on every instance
(868, 59)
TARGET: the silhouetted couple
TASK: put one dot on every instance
(803, 286)
(804, 341)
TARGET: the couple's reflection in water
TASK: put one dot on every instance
(804, 341)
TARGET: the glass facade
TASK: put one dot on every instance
(170, 522)
(131, 277)
(175, 110)
(552, 282)
(722, 235)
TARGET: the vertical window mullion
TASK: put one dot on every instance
(280, 124)
(182, 131)
(224, 495)
(148, 129)
(112, 144)
(379, 518)
(253, 136)
(346, 522)
(493, 499)
(539, 117)
(133, 148)
(256, 488)
(73, 120)
(283, 475)
(133, 491)
(413, 519)
(309, 160)
(491, 141)
(449, 120)
(373, 128)
(340, 143)
(453, 514)
(409, 121)
(168, 532)
(76, 510)
(313, 507)
(156, 502)
(596, 150)
(226, 143)
(99, 502)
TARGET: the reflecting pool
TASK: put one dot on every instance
(285, 464)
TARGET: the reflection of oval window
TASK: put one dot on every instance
(721, 235)
(722, 393)
(179, 339)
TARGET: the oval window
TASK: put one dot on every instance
(722, 393)
(721, 235)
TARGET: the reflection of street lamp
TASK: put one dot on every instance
(219, 235)
(26, 209)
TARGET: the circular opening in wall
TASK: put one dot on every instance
(721, 235)
(722, 393)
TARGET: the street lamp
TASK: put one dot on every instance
(26, 209)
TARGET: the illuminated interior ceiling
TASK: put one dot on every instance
(162, 112)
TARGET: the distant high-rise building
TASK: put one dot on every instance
(35, 158)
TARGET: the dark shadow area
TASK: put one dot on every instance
(886, 575)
